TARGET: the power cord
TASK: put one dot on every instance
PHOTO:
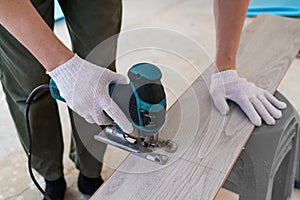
(29, 100)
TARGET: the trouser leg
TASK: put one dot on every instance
(92, 22)
(89, 24)
(20, 73)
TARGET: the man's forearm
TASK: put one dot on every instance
(22, 20)
(229, 20)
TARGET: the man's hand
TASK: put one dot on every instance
(85, 87)
(254, 101)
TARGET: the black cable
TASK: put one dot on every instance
(29, 100)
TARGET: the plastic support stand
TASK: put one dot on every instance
(266, 168)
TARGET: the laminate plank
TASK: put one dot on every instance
(180, 180)
(266, 70)
(209, 143)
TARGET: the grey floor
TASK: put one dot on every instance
(14, 179)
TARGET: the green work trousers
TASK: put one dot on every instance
(89, 23)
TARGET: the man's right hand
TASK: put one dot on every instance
(85, 87)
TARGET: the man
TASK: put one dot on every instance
(89, 24)
(83, 83)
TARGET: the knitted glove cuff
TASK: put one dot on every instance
(66, 73)
(224, 76)
(65, 76)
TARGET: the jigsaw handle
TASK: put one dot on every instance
(143, 100)
(54, 91)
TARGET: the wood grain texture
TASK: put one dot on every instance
(209, 144)
(180, 180)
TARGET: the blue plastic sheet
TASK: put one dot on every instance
(58, 14)
(289, 8)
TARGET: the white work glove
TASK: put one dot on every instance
(85, 87)
(257, 103)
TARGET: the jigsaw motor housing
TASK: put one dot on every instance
(143, 100)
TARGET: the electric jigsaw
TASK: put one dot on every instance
(143, 101)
